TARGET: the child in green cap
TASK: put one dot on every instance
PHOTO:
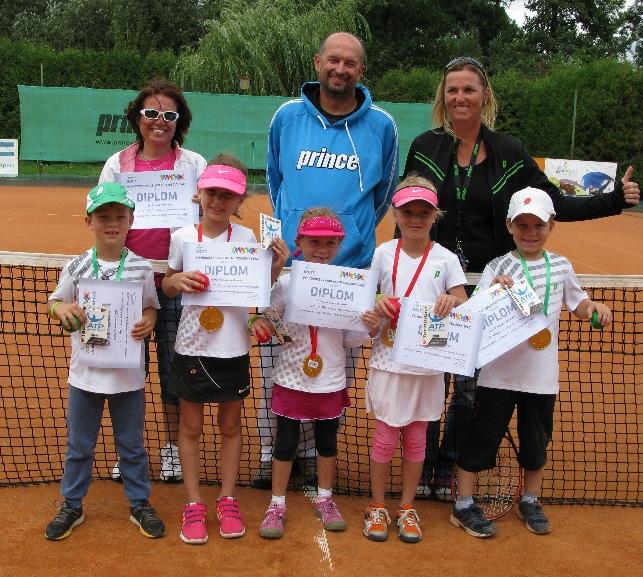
(110, 214)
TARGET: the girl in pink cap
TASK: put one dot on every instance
(211, 362)
(310, 380)
(404, 399)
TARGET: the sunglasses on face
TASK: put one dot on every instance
(464, 60)
(153, 114)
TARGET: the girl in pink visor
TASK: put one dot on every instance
(211, 362)
(404, 399)
(310, 381)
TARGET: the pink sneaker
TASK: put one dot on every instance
(230, 520)
(193, 530)
(328, 512)
(272, 526)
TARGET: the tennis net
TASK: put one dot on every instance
(594, 457)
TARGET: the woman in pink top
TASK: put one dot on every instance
(160, 117)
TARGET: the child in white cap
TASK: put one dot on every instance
(527, 375)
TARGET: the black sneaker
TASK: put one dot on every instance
(263, 476)
(148, 521)
(534, 517)
(473, 521)
(67, 518)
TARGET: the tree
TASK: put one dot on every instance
(271, 41)
(429, 33)
(586, 29)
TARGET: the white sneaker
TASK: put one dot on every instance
(170, 465)
(116, 472)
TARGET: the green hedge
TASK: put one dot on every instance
(538, 110)
(71, 67)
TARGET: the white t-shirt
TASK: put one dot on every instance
(232, 339)
(95, 379)
(441, 272)
(331, 345)
(525, 368)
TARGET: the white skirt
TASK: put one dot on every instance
(399, 399)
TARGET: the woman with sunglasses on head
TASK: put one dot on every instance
(160, 117)
(476, 171)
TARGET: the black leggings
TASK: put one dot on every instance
(287, 438)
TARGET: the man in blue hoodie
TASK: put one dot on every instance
(332, 147)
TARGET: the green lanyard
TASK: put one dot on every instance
(525, 270)
(121, 264)
(461, 188)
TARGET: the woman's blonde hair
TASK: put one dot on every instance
(416, 179)
(489, 108)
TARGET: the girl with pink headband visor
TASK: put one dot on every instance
(405, 399)
(309, 381)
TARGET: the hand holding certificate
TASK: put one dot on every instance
(163, 198)
(325, 295)
(113, 308)
(457, 355)
(238, 273)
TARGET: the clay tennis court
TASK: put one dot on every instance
(585, 540)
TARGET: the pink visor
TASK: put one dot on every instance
(225, 177)
(321, 226)
(410, 193)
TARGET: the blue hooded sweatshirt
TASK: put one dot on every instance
(350, 167)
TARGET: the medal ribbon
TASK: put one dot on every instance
(121, 264)
(525, 270)
(396, 260)
(200, 232)
(313, 341)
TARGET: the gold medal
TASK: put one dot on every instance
(388, 336)
(541, 339)
(313, 366)
(211, 319)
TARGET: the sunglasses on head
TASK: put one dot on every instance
(464, 60)
(153, 114)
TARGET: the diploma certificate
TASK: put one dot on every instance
(324, 295)
(505, 327)
(163, 198)
(458, 355)
(239, 273)
(124, 301)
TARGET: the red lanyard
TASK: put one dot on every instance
(313, 341)
(398, 248)
(200, 232)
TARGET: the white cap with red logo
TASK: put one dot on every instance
(531, 201)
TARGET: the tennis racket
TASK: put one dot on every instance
(497, 489)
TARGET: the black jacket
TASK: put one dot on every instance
(511, 169)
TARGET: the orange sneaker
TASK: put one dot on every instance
(409, 524)
(376, 522)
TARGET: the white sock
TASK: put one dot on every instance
(278, 499)
(463, 502)
(529, 497)
(323, 494)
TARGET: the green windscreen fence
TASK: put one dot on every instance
(89, 125)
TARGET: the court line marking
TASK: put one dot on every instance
(320, 538)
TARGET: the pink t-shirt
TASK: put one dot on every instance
(153, 242)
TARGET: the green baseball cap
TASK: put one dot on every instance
(107, 192)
